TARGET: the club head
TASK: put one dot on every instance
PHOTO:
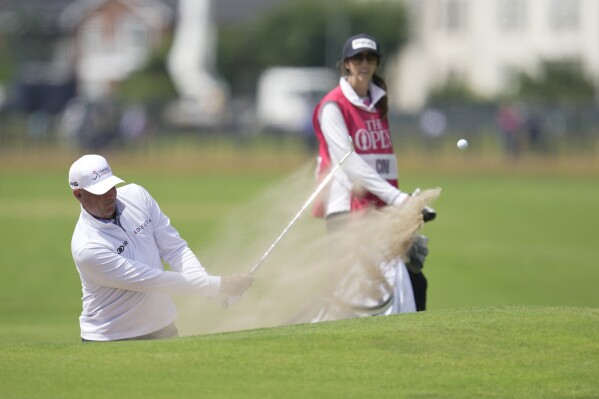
(428, 214)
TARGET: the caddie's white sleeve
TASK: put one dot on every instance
(357, 170)
(104, 267)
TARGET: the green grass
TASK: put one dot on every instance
(497, 352)
(513, 302)
(515, 240)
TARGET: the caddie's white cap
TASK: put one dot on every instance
(92, 173)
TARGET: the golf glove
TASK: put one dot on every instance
(417, 253)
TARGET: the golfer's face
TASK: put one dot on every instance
(100, 206)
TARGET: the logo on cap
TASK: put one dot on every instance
(92, 173)
(98, 174)
(363, 43)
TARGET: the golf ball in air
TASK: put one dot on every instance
(462, 144)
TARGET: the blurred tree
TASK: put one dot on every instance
(454, 91)
(305, 33)
(557, 82)
(6, 61)
(24, 36)
(152, 82)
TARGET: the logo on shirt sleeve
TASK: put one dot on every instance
(120, 249)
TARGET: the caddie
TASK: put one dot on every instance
(356, 111)
(119, 244)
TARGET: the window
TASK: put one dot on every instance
(133, 34)
(91, 36)
(564, 15)
(511, 15)
(452, 15)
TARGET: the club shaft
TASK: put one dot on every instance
(320, 187)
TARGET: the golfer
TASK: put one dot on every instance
(119, 245)
(358, 108)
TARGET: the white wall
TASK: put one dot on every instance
(481, 50)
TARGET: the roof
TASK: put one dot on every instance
(226, 12)
(154, 12)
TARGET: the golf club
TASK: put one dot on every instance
(231, 300)
(320, 187)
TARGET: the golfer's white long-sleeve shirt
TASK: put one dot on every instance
(126, 291)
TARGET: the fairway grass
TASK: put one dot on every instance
(513, 300)
(494, 352)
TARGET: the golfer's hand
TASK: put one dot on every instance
(235, 284)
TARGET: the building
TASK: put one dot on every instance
(112, 38)
(98, 43)
(485, 43)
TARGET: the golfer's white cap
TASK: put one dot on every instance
(92, 173)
